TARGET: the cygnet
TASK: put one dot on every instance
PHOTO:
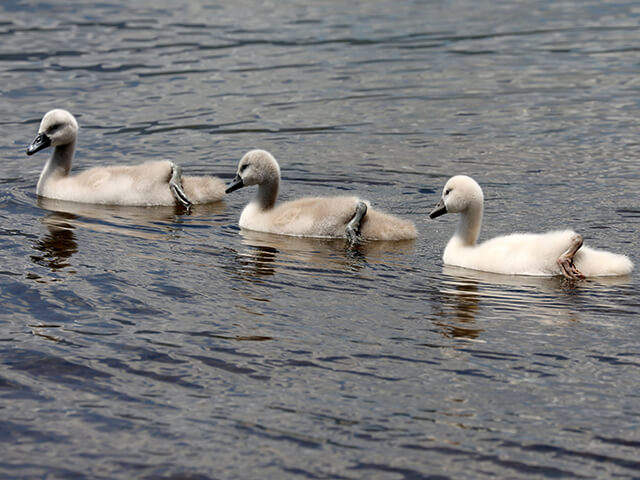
(324, 217)
(152, 183)
(551, 253)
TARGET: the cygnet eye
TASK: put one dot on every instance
(55, 127)
(244, 167)
(447, 191)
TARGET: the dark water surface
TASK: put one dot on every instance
(147, 343)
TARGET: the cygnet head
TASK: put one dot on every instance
(58, 127)
(459, 195)
(256, 167)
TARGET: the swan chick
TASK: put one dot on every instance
(152, 183)
(551, 253)
(324, 217)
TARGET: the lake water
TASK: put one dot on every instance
(148, 343)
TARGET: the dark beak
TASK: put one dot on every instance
(440, 209)
(235, 185)
(40, 142)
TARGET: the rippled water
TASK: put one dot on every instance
(147, 343)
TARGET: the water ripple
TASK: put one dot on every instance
(136, 341)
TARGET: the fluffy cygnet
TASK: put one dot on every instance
(328, 217)
(551, 253)
(152, 183)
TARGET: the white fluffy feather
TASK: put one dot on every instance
(325, 217)
(518, 253)
(139, 185)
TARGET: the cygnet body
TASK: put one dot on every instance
(323, 217)
(152, 183)
(549, 254)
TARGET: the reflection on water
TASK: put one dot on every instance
(133, 220)
(265, 253)
(59, 243)
(257, 261)
(153, 224)
(324, 255)
(459, 305)
(467, 294)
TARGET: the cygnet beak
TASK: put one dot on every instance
(440, 209)
(40, 142)
(235, 185)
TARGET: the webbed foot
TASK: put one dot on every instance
(353, 227)
(565, 261)
(175, 184)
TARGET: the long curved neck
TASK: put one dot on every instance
(58, 165)
(468, 229)
(268, 193)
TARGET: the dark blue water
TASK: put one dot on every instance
(147, 343)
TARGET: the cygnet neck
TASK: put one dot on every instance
(470, 223)
(58, 165)
(268, 193)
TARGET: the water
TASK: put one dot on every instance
(146, 343)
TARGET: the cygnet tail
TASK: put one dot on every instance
(203, 189)
(594, 263)
(381, 226)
